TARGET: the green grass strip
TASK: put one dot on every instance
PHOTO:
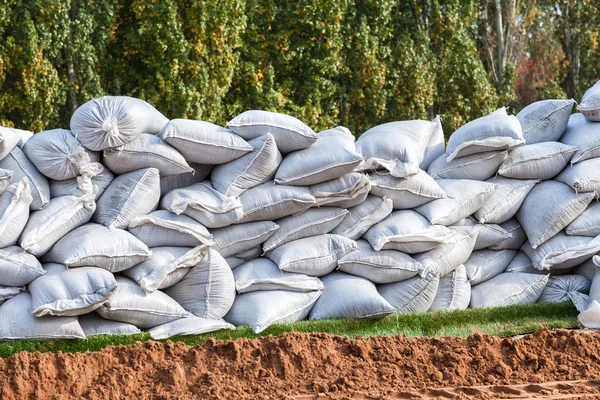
(502, 321)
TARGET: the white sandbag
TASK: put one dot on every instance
(163, 228)
(98, 246)
(24, 326)
(9, 139)
(464, 197)
(488, 234)
(483, 265)
(590, 318)
(204, 143)
(562, 251)
(264, 274)
(332, 156)
(236, 239)
(454, 291)
(17, 267)
(362, 217)
(204, 204)
(563, 288)
(594, 294)
(407, 231)
(478, 167)
(208, 290)
(451, 254)
(268, 201)
(435, 147)
(590, 103)
(312, 222)
(17, 162)
(587, 223)
(95, 179)
(70, 292)
(130, 195)
(93, 325)
(583, 176)
(517, 236)
(131, 304)
(412, 295)
(24, 136)
(188, 326)
(398, 147)
(5, 179)
(250, 170)
(348, 191)
(290, 133)
(540, 161)
(521, 263)
(384, 266)
(167, 266)
(6, 292)
(112, 121)
(14, 212)
(314, 256)
(145, 151)
(261, 309)
(201, 172)
(505, 201)
(545, 120)
(409, 192)
(583, 134)
(349, 296)
(62, 215)
(508, 289)
(548, 208)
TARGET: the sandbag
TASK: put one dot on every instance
(17, 267)
(24, 136)
(17, 162)
(478, 167)
(450, 254)
(163, 228)
(98, 246)
(188, 326)
(62, 215)
(130, 195)
(204, 204)
(94, 180)
(9, 139)
(93, 325)
(349, 296)
(269, 201)
(590, 103)
(435, 147)
(6, 292)
(384, 266)
(145, 151)
(332, 156)
(541, 161)
(573, 288)
(204, 143)
(236, 239)
(521, 263)
(5, 179)
(517, 236)
(505, 201)
(412, 295)
(508, 289)
(483, 265)
(583, 134)
(362, 217)
(587, 223)
(264, 274)
(70, 292)
(112, 121)
(548, 208)
(583, 176)
(546, 120)
(488, 234)
(409, 192)
(289, 133)
(14, 212)
(454, 291)
(348, 191)
(313, 256)
(562, 251)
(201, 172)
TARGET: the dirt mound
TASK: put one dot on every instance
(297, 365)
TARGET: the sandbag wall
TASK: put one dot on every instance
(130, 222)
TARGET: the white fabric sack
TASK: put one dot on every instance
(6, 292)
(362, 217)
(264, 274)
(312, 222)
(483, 265)
(261, 309)
(14, 212)
(208, 290)
(236, 239)
(62, 215)
(407, 231)
(454, 291)
(70, 292)
(94, 180)
(290, 133)
(112, 121)
(348, 191)
(332, 156)
(508, 289)
(517, 236)
(546, 120)
(435, 147)
(583, 134)
(201, 172)
(131, 304)
(130, 195)
(24, 326)
(488, 234)
(188, 326)
(204, 204)
(562, 251)
(587, 223)
(163, 228)
(590, 103)
(17, 162)
(145, 151)
(412, 295)
(541, 161)
(98, 246)
(5, 179)
(548, 208)
(590, 318)
(398, 147)
(563, 288)
(314, 256)
(9, 139)
(384, 266)
(93, 325)
(521, 263)
(349, 296)
(409, 192)
(464, 197)
(269, 201)
(24, 136)
(451, 254)
(478, 167)
(17, 267)
(204, 143)
(583, 176)
(505, 201)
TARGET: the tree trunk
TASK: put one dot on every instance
(500, 49)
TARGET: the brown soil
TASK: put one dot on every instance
(547, 364)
